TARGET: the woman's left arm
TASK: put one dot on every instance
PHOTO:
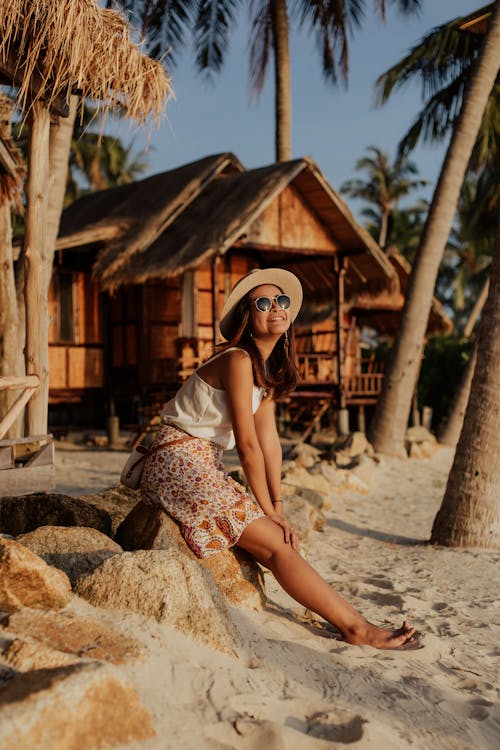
(267, 435)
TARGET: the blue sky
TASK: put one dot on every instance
(333, 125)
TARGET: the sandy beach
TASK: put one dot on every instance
(291, 683)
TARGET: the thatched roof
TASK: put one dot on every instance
(50, 48)
(383, 313)
(172, 222)
(129, 218)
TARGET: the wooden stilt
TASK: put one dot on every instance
(35, 261)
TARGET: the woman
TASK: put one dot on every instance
(230, 401)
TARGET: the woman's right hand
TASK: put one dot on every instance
(289, 534)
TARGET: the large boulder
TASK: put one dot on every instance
(19, 515)
(86, 706)
(235, 572)
(27, 581)
(76, 550)
(73, 635)
(165, 585)
(117, 502)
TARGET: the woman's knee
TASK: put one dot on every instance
(265, 540)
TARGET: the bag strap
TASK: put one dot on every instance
(146, 452)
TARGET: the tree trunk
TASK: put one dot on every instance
(35, 265)
(11, 340)
(391, 415)
(450, 431)
(384, 223)
(283, 96)
(477, 309)
(9, 318)
(470, 512)
(61, 132)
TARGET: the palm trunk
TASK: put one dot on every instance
(470, 511)
(283, 96)
(384, 223)
(477, 309)
(391, 415)
(450, 432)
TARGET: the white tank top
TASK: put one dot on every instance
(201, 410)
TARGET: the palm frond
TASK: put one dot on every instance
(163, 24)
(446, 52)
(260, 44)
(212, 26)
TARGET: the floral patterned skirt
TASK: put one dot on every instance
(189, 481)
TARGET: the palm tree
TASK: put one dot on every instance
(391, 416)
(470, 511)
(386, 183)
(213, 21)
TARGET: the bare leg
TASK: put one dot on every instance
(264, 540)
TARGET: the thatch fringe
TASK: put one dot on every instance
(11, 180)
(75, 46)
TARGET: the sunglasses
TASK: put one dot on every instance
(264, 304)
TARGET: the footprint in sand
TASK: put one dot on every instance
(336, 726)
(380, 581)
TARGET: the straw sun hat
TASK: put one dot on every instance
(286, 281)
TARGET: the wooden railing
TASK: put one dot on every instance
(315, 368)
(28, 384)
(368, 384)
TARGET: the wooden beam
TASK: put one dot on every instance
(11, 75)
(12, 383)
(215, 297)
(7, 161)
(340, 271)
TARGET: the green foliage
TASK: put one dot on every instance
(444, 361)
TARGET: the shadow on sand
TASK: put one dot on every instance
(382, 536)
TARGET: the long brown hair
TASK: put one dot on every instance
(280, 373)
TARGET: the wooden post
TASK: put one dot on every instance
(215, 297)
(35, 261)
(340, 271)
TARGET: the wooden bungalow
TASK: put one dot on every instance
(143, 270)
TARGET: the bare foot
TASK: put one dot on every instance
(367, 634)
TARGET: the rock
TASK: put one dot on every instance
(301, 477)
(234, 571)
(23, 655)
(428, 448)
(117, 502)
(316, 499)
(238, 577)
(414, 450)
(165, 585)
(86, 706)
(19, 515)
(76, 636)
(419, 434)
(305, 455)
(27, 581)
(303, 517)
(342, 479)
(352, 445)
(76, 550)
(365, 468)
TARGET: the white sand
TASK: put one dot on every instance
(292, 684)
